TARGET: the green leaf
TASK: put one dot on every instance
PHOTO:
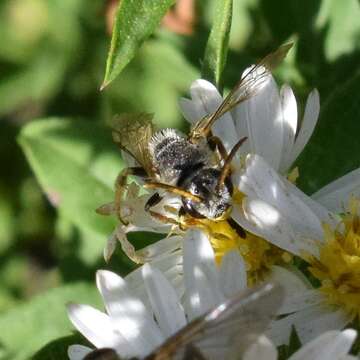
(41, 320)
(285, 351)
(76, 164)
(135, 21)
(334, 148)
(7, 223)
(217, 45)
(340, 22)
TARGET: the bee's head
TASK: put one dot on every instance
(216, 200)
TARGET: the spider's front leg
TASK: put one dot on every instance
(120, 186)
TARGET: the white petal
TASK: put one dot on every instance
(290, 117)
(272, 228)
(311, 115)
(78, 352)
(162, 247)
(349, 357)
(292, 280)
(265, 124)
(233, 276)
(270, 187)
(175, 280)
(261, 181)
(191, 110)
(309, 323)
(335, 196)
(166, 263)
(224, 129)
(169, 264)
(204, 100)
(208, 96)
(95, 326)
(200, 274)
(300, 301)
(261, 349)
(330, 345)
(165, 303)
(325, 215)
(239, 216)
(277, 228)
(128, 313)
(240, 115)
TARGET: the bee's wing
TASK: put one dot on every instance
(250, 83)
(132, 133)
(102, 354)
(226, 331)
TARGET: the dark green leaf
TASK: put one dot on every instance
(217, 45)
(57, 349)
(135, 21)
(294, 342)
(334, 148)
(285, 351)
(43, 319)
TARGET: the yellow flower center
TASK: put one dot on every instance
(338, 267)
(225, 235)
(259, 255)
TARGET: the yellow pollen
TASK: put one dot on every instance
(338, 267)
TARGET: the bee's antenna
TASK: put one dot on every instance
(227, 164)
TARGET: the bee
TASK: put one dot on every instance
(196, 166)
(224, 332)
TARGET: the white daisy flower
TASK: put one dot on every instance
(331, 345)
(286, 217)
(129, 324)
(270, 121)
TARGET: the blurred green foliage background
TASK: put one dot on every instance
(55, 171)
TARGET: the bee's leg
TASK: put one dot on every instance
(173, 189)
(193, 353)
(153, 200)
(120, 185)
(227, 164)
(216, 143)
